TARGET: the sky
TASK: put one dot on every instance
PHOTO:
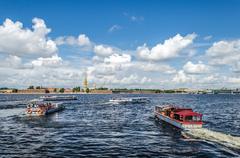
(120, 44)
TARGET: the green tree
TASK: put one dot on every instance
(87, 90)
(76, 89)
(38, 87)
(61, 90)
(14, 90)
(102, 88)
(31, 87)
(158, 91)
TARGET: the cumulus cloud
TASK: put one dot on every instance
(18, 41)
(82, 40)
(108, 66)
(118, 59)
(102, 50)
(182, 77)
(154, 67)
(198, 68)
(53, 61)
(128, 80)
(224, 48)
(226, 53)
(169, 49)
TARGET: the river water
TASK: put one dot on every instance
(93, 127)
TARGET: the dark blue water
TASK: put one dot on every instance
(92, 127)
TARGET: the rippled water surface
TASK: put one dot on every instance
(93, 127)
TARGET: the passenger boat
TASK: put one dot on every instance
(40, 108)
(183, 118)
(58, 98)
(133, 100)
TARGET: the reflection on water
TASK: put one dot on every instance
(92, 127)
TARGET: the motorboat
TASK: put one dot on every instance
(40, 108)
(58, 98)
(133, 100)
(183, 118)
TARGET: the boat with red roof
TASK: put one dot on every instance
(183, 118)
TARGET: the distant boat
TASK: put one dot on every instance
(40, 108)
(133, 100)
(183, 118)
(58, 98)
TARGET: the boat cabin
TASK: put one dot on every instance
(185, 115)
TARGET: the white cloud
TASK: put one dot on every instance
(226, 53)
(198, 68)
(154, 67)
(82, 40)
(53, 61)
(114, 28)
(169, 49)
(182, 77)
(13, 61)
(18, 41)
(234, 80)
(224, 48)
(102, 50)
(118, 59)
(108, 66)
(206, 38)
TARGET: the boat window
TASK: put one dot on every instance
(177, 117)
(192, 118)
(188, 118)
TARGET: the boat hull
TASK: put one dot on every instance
(50, 111)
(58, 99)
(175, 123)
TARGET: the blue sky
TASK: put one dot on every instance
(162, 19)
(124, 26)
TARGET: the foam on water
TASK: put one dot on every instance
(218, 137)
(11, 112)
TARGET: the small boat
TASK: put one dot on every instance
(40, 108)
(58, 98)
(183, 118)
(133, 100)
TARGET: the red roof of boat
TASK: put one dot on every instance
(188, 113)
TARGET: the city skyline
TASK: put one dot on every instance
(144, 44)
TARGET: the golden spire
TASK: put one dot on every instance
(85, 82)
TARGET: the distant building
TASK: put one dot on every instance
(6, 91)
(68, 90)
(96, 91)
(85, 83)
(32, 91)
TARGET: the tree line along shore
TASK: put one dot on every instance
(104, 90)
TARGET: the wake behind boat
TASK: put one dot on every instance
(58, 98)
(183, 118)
(40, 108)
(133, 100)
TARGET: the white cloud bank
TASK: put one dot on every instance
(169, 49)
(29, 56)
(18, 41)
(198, 68)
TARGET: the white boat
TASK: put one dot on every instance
(58, 98)
(133, 100)
(183, 118)
(40, 108)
